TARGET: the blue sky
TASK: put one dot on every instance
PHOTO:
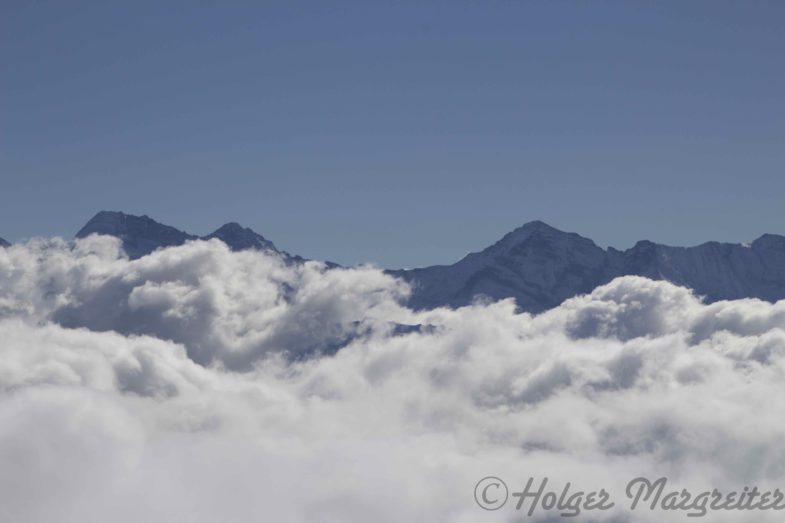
(404, 133)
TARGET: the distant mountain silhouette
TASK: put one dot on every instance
(4, 243)
(142, 235)
(239, 238)
(541, 266)
(536, 264)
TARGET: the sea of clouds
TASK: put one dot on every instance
(201, 385)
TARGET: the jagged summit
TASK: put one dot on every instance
(536, 226)
(232, 227)
(239, 237)
(142, 235)
(527, 230)
(115, 223)
(537, 235)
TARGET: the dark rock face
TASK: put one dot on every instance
(140, 235)
(541, 266)
(4, 243)
(239, 238)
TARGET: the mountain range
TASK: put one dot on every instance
(541, 266)
(536, 264)
(142, 235)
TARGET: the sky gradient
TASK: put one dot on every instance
(396, 132)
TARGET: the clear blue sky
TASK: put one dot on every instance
(405, 133)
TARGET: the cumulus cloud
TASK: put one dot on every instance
(222, 306)
(201, 385)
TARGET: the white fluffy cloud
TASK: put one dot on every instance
(233, 308)
(201, 385)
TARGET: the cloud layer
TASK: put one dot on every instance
(201, 385)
